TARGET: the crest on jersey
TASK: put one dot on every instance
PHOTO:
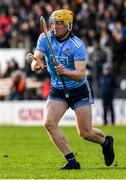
(67, 52)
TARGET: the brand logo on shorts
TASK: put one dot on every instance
(84, 99)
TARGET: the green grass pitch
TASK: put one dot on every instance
(27, 153)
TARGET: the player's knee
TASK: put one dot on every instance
(86, 134)
(49, 125)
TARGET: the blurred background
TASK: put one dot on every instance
(101, 25)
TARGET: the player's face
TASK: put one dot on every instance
(59, 28)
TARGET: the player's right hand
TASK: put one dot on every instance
(37, 65)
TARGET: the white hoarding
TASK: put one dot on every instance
(30, 113)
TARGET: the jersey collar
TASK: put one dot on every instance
(70, 35)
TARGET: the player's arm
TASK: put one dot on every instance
(38, 62)
(77, 74)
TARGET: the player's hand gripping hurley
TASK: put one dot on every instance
(43, 25)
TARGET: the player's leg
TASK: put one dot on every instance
(54, 110)
(84, 127)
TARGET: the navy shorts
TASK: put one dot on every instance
(78, 97)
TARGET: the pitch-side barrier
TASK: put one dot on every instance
(30, 113)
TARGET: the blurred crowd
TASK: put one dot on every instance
(101, 24)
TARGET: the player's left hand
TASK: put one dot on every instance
(60, 69)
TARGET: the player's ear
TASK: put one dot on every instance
(69, 26)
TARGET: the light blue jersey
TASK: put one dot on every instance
(66, 52)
